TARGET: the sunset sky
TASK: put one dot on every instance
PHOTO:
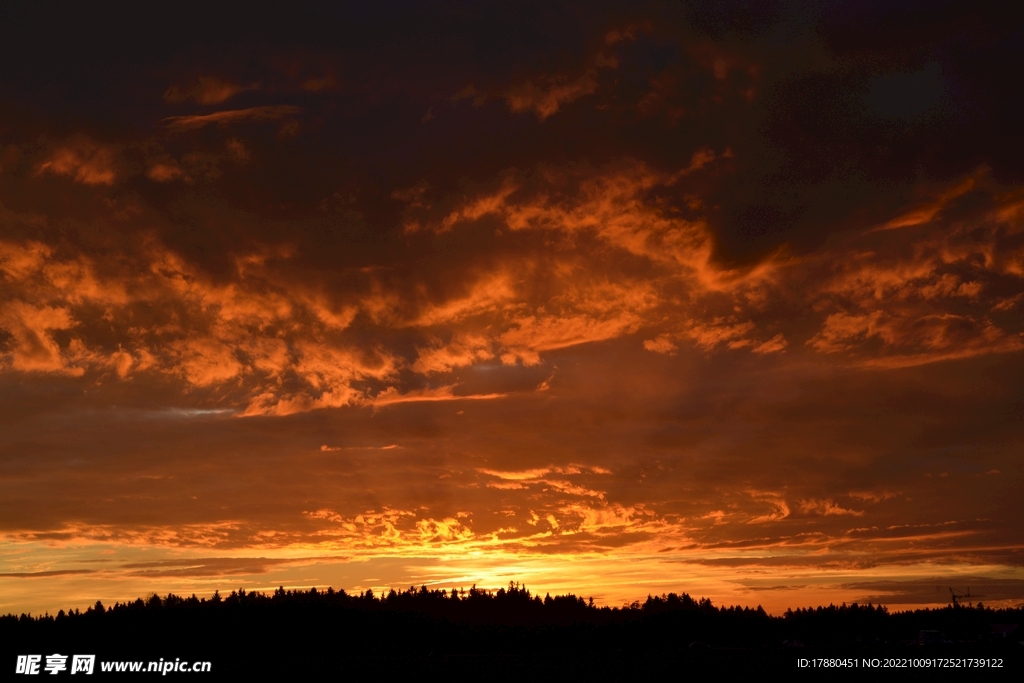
(609, 298)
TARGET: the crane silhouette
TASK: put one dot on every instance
(959, 597)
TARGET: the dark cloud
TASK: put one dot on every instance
(205, 566)
(35, 575)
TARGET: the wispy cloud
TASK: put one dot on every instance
(229, 116)
(392, 396)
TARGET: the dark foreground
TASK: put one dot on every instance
(509, 634)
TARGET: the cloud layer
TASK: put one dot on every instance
(674, 293)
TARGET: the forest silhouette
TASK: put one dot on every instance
(503, 634)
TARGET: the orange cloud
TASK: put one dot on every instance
(462, 351)
(548, 96)
(163, 173)
(211, 334)
(661, 344)
(391, 396)
(83, 161)
(532, 335)
(520, 475)
(485, 295)
(778, 508)
(476, 209)
(919, 340)
(776, 344)
(204, 361)
(205, 90)
(279, 345)
(578, 306)
(928, 302)
(33, 348)
(721, 332)
(826, 507)
(582, 312)
(223, 118)
(329, 374)
(614, 207)
(928, 211)
(841, 330)
(19, 261)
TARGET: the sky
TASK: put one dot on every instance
(613, 299)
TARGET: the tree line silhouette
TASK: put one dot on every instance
(509, 631)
